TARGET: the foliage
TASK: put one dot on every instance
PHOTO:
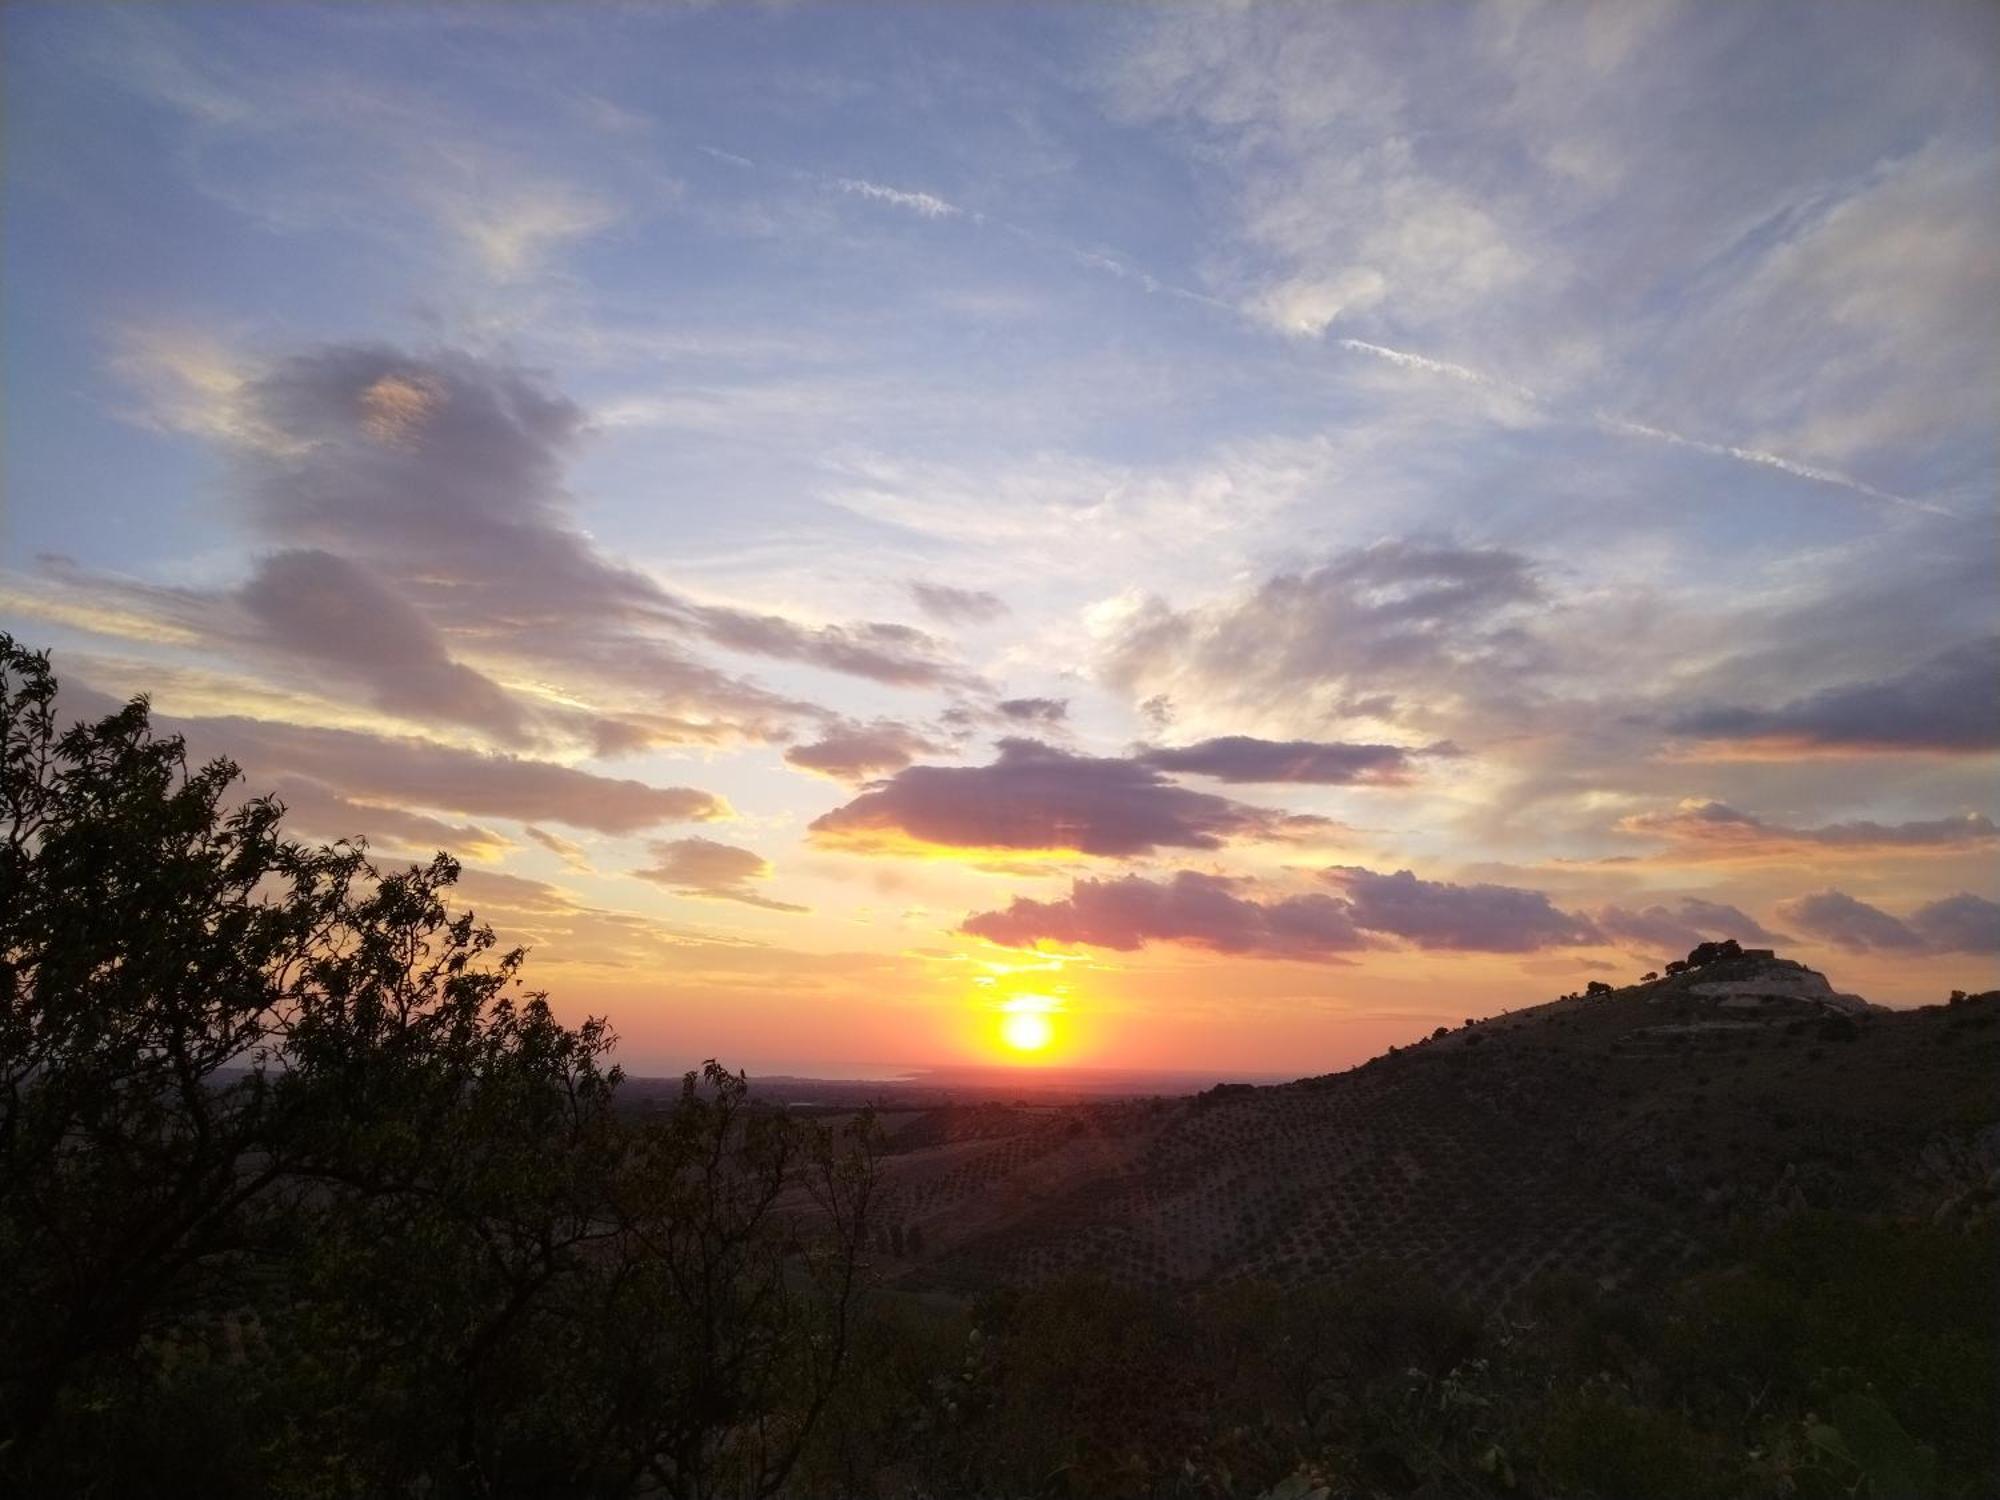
(298, 1184)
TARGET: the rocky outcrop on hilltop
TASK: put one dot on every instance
(1753, 979)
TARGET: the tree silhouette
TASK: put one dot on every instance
(241, 1073)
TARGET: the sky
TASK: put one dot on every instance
(1238, 533)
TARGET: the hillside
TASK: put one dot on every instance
(1613, 1136)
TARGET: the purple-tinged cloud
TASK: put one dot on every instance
(1037, 797)
(1674, 929)
(1838, 918)
(316, 605)
(1964, 923)
(957, 606)
(1716, 831)
(1472, 918)
(712, 871)
(1949, 703)
(416, 773)
(422, 499)
(1436, 619)
(1190, 908)
(311, 807)
(1046, 712)
(859, 752)
(1242, 759)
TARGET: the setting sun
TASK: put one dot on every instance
(1026, 1031)
(1026, 1024)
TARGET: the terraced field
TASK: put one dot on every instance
(1610, 1138)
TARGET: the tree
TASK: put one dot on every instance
(240, 1073)
(1704, 954)
(1597, 987)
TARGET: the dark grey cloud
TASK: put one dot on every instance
(1202, 911)
(1838, 918)
(1476, 918)
(712, 871)
(417, 773)
(1037, 797)
(860, 752)
(1948, 702)
(1042, 711)
(1672, 929)
(1715, 830)
(1427, 616)
(957, 606)
(1240, 758)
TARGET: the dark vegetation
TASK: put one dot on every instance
(302, 1193)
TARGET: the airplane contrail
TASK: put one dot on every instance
(933, 207)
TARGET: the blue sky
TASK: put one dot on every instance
(1545, 449)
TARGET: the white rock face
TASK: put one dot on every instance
(1780, 984)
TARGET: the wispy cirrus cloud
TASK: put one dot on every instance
(927, 205)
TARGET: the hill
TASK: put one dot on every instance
(1616, 1136)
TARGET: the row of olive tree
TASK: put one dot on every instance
(247, 1079)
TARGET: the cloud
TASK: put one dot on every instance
(1037, 797)
(1946, 704)
(426, 494)
(1043, 711)
(929, 205)
(1674, 929)
(316, 605)
(1227, 915)
(1240, 758)
(1964, 923)
(569, 851)
(1444, 621)
(957, 606)
(1700, 831)
(857, 752)
(312, 807)
(710, 870)
(424, 774)
(1473, 918)
(573, 932)
(1838, 918)
(1309, 305)
(1190, 908)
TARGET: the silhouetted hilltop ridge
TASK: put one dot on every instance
(1616, 1134)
